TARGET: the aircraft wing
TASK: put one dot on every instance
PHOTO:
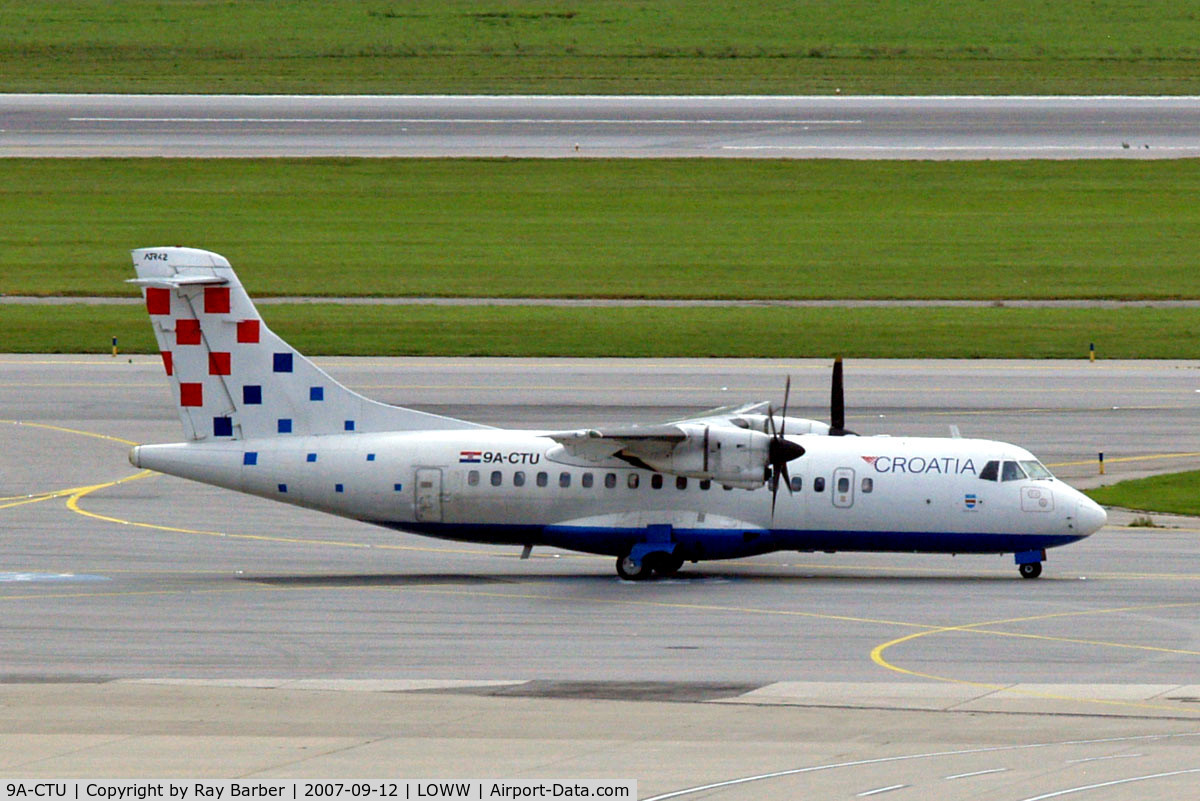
(638, 442)
(652, 442)
(726, 415)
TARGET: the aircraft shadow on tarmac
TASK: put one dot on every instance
(372, 580)
(686, 577)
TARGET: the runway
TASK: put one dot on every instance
(600, 126)
(157, 627)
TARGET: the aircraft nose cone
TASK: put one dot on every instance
(1090, 517)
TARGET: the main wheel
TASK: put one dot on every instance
(631, 570)
(666, 565)
(1031, 570)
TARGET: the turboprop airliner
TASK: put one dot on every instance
(262, 419)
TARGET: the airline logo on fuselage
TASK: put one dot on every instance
(946, 465)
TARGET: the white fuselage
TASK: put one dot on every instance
(847, 493)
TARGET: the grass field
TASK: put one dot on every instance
(602, 46)
(635, 228)
(1174, 493)
(328, 329)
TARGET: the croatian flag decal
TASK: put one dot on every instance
(971, 500)
(470, 457)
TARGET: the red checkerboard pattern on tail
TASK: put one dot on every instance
(232, 378)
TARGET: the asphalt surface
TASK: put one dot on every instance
(197, 632)
(569, 127)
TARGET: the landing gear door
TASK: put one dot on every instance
(429, 495)
(843, 487)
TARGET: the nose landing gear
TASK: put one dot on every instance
(1029, 563)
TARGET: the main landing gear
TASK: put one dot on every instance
(652, 565)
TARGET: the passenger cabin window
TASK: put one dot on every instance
(633, 481)
(1011, 471)
(656, 481)
(519, 478)
(843, 484)
(564, 480)
(990, 471)
(868, 485)
(818, 485)
(797, 483)
(587, 480)
(610, 480)
(473, 478)
(543, 478)
(496, 478)
(680, 483)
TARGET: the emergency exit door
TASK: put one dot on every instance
(843, 487)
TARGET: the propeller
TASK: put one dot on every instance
(837, 403)
(780, 451)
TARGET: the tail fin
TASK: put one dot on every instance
(231, 377)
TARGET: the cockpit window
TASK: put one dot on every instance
(1036, 469)
(990, 471)
(1011, 472)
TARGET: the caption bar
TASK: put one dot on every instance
(476, 790)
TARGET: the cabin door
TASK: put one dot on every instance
(429, 495)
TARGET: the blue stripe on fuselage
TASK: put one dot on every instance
(698, 543)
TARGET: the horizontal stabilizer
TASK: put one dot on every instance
(176, 281)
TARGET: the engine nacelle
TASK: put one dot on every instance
(792, 425)
(735, 457)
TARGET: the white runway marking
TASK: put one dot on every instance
(974, 773)
(469, 120)
(970, 148)
(934, 755)
(881, 790)
(1103, 758)
(1085, 788)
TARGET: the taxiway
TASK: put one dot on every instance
(152, 626)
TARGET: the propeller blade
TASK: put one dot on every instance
(837, 400)
(787, 390)
(780, 451)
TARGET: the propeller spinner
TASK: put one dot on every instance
(780, 451)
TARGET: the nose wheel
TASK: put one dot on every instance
(1030, 570)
